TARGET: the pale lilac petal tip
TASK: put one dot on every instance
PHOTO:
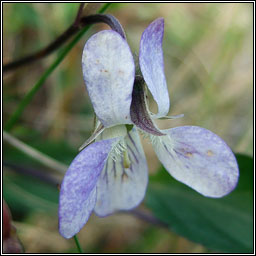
(78, 188)
(200, 159)
(109, 72)
(152, 64)
(122, 186)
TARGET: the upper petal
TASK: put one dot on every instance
(200, 159)
(152, 64)
(122, 187)
(78, 188)
(109, 71)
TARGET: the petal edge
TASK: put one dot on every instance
(109, 71)
(200, 159)
(152, 65)
(78, 189)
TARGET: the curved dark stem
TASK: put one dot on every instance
(36, 173)
(104, 18)
(73, 29)
(147, 218)
(44, 52)
(79, 13)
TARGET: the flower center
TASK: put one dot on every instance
(126, 159)
(120, 151)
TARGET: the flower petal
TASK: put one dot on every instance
(140, 114)
(109, 72)
(198, 158)
(78, 189)
(121, 188)
(152, 65)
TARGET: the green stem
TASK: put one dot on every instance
(29, 96)
(79, 248)
(104, 7)
(35, 154)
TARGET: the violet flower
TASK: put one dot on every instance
(111, 174)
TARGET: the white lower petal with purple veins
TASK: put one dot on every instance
(198, 158)
(78, 188)
(122, 183)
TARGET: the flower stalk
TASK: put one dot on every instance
(79, 248)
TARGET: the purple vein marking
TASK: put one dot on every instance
(114, 168)
(133, 143)
(105, 176)
(136, 159)
(168, 151)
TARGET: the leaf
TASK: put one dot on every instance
(25, 194)
(26, 191)
(224, 224)
(57, 149)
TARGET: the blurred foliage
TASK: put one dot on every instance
(38, 193)
(34, 195)
(208, 53)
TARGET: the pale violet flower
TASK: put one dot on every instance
(111, 174)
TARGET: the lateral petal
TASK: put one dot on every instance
(109, 71)
(200, 159)
(122, 187)
(78, 189)
(140, 114)
(152, 65)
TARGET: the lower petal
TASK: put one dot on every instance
(78, 189)
(198, 158)
(122, 183)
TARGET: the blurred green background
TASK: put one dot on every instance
(208, 52)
